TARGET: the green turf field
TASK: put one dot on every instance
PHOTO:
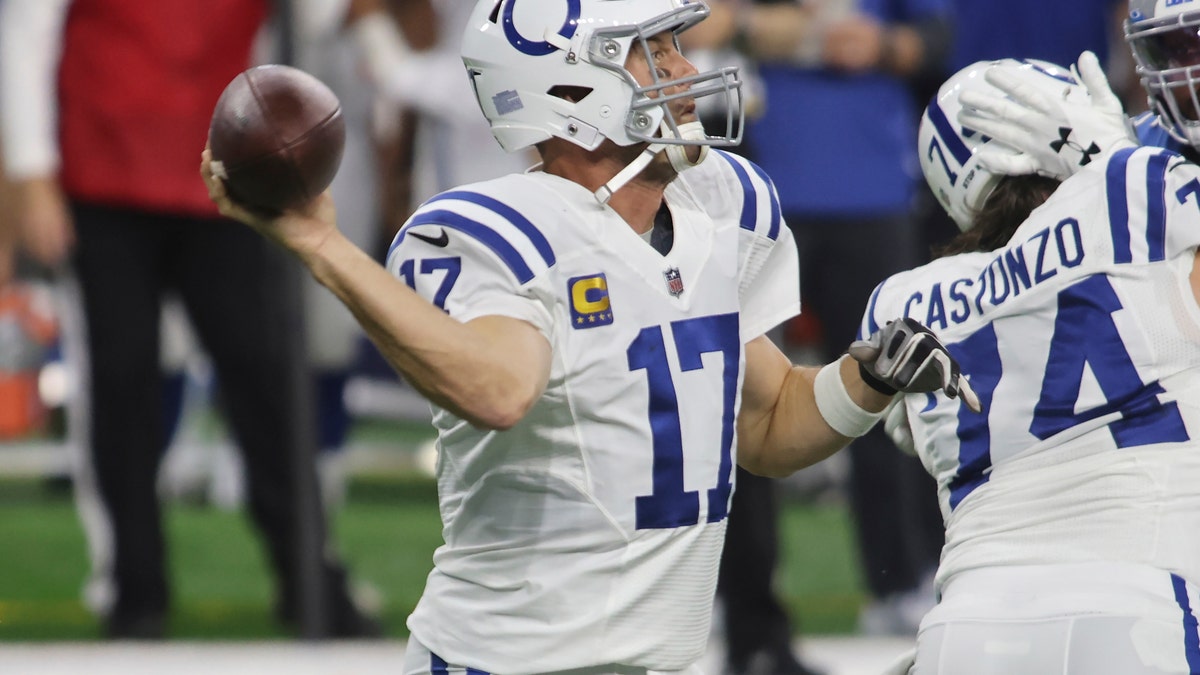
(387, 532)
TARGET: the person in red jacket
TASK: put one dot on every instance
(112, 192)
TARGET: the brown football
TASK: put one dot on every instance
(276, 136)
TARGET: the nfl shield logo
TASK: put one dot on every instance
(674, 282)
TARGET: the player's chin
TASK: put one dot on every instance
(685, 114)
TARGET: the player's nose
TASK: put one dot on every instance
(686, 68)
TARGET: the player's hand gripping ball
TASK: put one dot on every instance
(276, 137)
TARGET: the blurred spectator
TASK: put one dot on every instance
(28, 330)
(8, 223)
(1057, 32)
(453, 144)
(112, 190)
(333, 337)
(836, 133)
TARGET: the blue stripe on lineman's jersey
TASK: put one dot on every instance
(749, 219)
(508, 213)
(1156, 206)
(1117, 177)
(946, 132)
(1118, 205)
(475, 229)
(1191, 629)
(438, 666)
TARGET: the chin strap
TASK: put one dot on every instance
(678, 154)
(627, 174)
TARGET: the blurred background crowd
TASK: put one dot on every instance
(103, 401)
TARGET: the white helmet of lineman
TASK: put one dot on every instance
(1164, 36)
(526, 57)
(950, 153)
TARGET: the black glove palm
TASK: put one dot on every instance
(906, 356)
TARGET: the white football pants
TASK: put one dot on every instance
(1076, 619)
(419, 661)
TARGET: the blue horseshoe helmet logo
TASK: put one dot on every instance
(540, 47)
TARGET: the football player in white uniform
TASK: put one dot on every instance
(1071, 506)
(591, 335)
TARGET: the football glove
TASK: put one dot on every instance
(906, 356)
(1055, 136)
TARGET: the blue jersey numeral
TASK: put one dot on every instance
(1085, 335)
(451, 266)
(670, 505)
(978, 355)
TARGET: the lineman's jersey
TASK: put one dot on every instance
(590, 532)
(1082, 339)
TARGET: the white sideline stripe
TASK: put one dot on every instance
(41, 459)
(34, 459)
(835, 655)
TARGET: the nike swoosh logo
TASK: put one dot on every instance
(440, 241)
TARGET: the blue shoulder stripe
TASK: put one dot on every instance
(1118, 205)
(749, 200)
(508, 213)
(475, 229)
(749, 218)
(1156, 207)
(776, 209)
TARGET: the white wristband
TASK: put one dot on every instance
(840, 411)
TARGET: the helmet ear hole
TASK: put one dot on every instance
(568, 92)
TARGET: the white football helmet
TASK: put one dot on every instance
(949, 152)
(523, 55)
(1164, 36)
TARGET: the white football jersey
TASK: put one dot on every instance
(590, 532)
(1082, 339)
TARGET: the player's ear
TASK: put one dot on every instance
(570, 93)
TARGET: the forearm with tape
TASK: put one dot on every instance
(840, 411)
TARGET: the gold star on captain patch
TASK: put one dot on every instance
(592, 319)
(579, 320)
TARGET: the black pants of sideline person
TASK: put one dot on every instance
(893, 501)
(756, 623)
(229, 281)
